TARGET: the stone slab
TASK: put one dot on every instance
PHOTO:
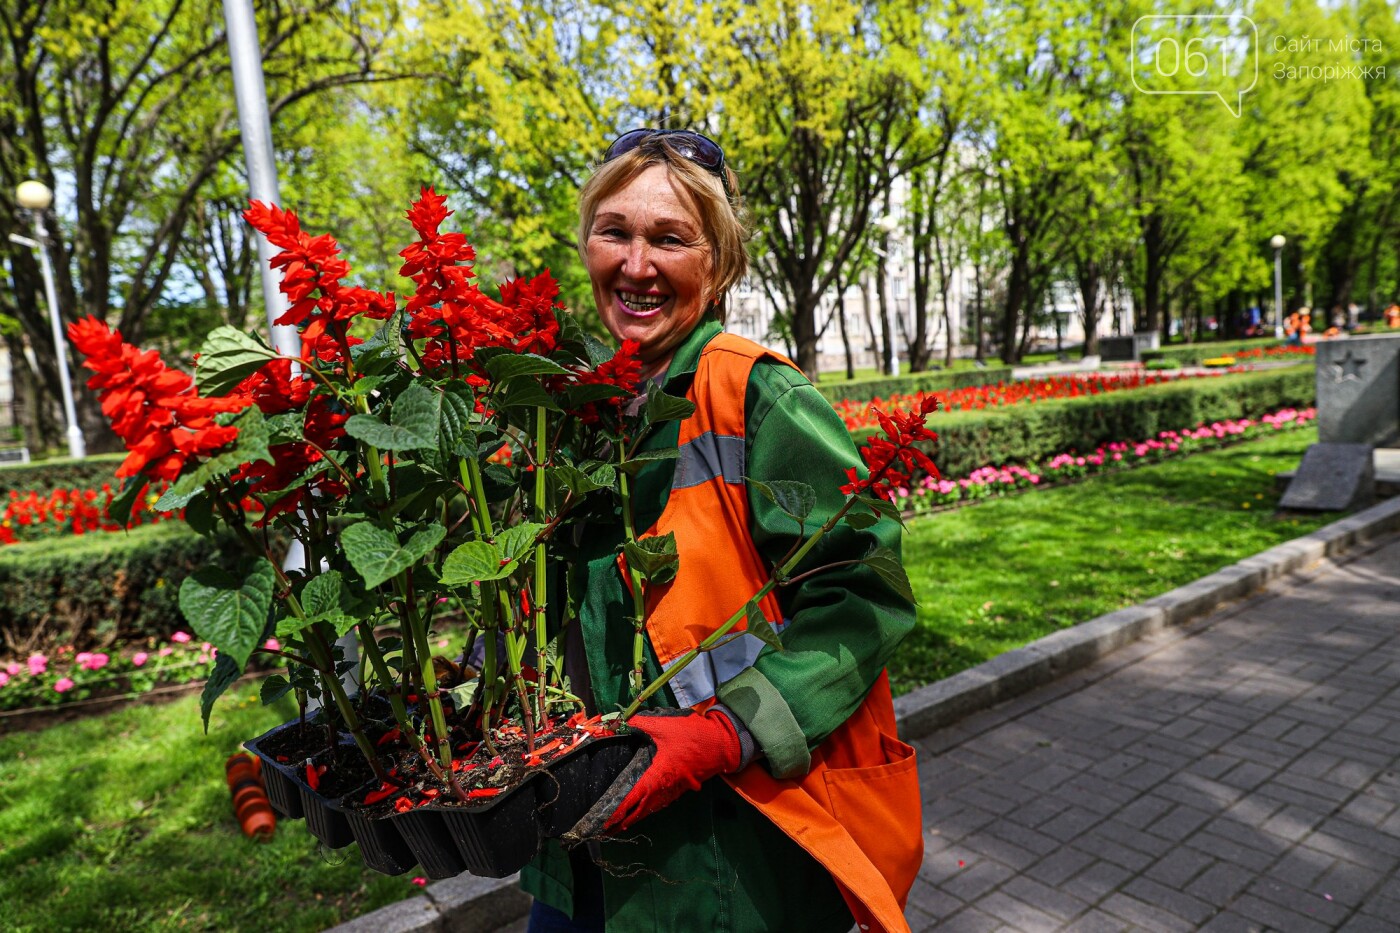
(1332, 478)
(1118, 349)
(1358, 390)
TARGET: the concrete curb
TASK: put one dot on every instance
(468, 904)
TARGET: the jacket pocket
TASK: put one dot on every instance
(879, 805)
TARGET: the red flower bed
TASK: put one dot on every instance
(30, 517)
(857, 416)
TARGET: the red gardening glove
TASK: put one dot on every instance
(687, 749)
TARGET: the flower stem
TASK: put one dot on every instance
(639, 600)
(537, 604)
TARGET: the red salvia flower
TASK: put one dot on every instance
(312, 270)
(153, 409)
(884, 456)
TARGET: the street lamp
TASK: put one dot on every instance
(35, 197)
(1278, 242)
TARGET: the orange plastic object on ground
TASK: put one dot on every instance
(250, 805)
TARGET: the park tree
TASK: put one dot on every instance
(125, 108)
(1365, 239)
(1305, 140)
(1036, 128)
(818, 108)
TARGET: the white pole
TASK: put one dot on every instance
(250, 92)
(77, 448)
(1278, 293)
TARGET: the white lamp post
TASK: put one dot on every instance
(1278, 242)
(35, 197)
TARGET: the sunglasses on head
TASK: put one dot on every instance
(702, 150)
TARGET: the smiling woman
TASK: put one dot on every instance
(773, 793)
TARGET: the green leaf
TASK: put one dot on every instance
(598, 352)
(323, 594)
(860, 520)
(413, 424)
(199, 515)
(579, 396)
(171, 501)
(514, 542)
(654, 557)
(795, 499)
(503, 369)
(463, 694)
(383, 346)
(458, 438)
(124, 501)
(418, 411)
(227, 612)
(757, 624)
(366, 385)
(226, 671)
(293, 625)
(571, 478)
(227, 357)
(473, 562)
(644, 457)
(286, 427)
(377, 555)
(273, 689)
(884, 508)
(524, 394)
(605, 476)
(663, 407)
(250, 447)
(886, 563)
(307, 475)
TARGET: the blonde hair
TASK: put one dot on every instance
(721, 218)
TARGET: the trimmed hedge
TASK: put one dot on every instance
(89, 590)
(47, 475)
(863, 390)
(1191, 354)
(1027, 433)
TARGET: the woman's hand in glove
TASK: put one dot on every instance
(686, 749)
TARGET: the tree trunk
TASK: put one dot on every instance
(804, 333)
(845, 335)
(1154, 264)
(1089, 293)
(887, 349)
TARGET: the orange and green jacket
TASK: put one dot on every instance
(712, 861)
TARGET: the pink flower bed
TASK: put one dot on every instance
(65, 676)
(932, 493)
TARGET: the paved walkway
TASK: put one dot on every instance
(1242, 773)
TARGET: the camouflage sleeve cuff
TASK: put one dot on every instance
(753, 699)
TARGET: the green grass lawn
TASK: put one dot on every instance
(996, 576)
(123, 822)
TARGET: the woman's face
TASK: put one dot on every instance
(650, 264)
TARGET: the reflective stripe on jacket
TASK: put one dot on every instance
(857, 810)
